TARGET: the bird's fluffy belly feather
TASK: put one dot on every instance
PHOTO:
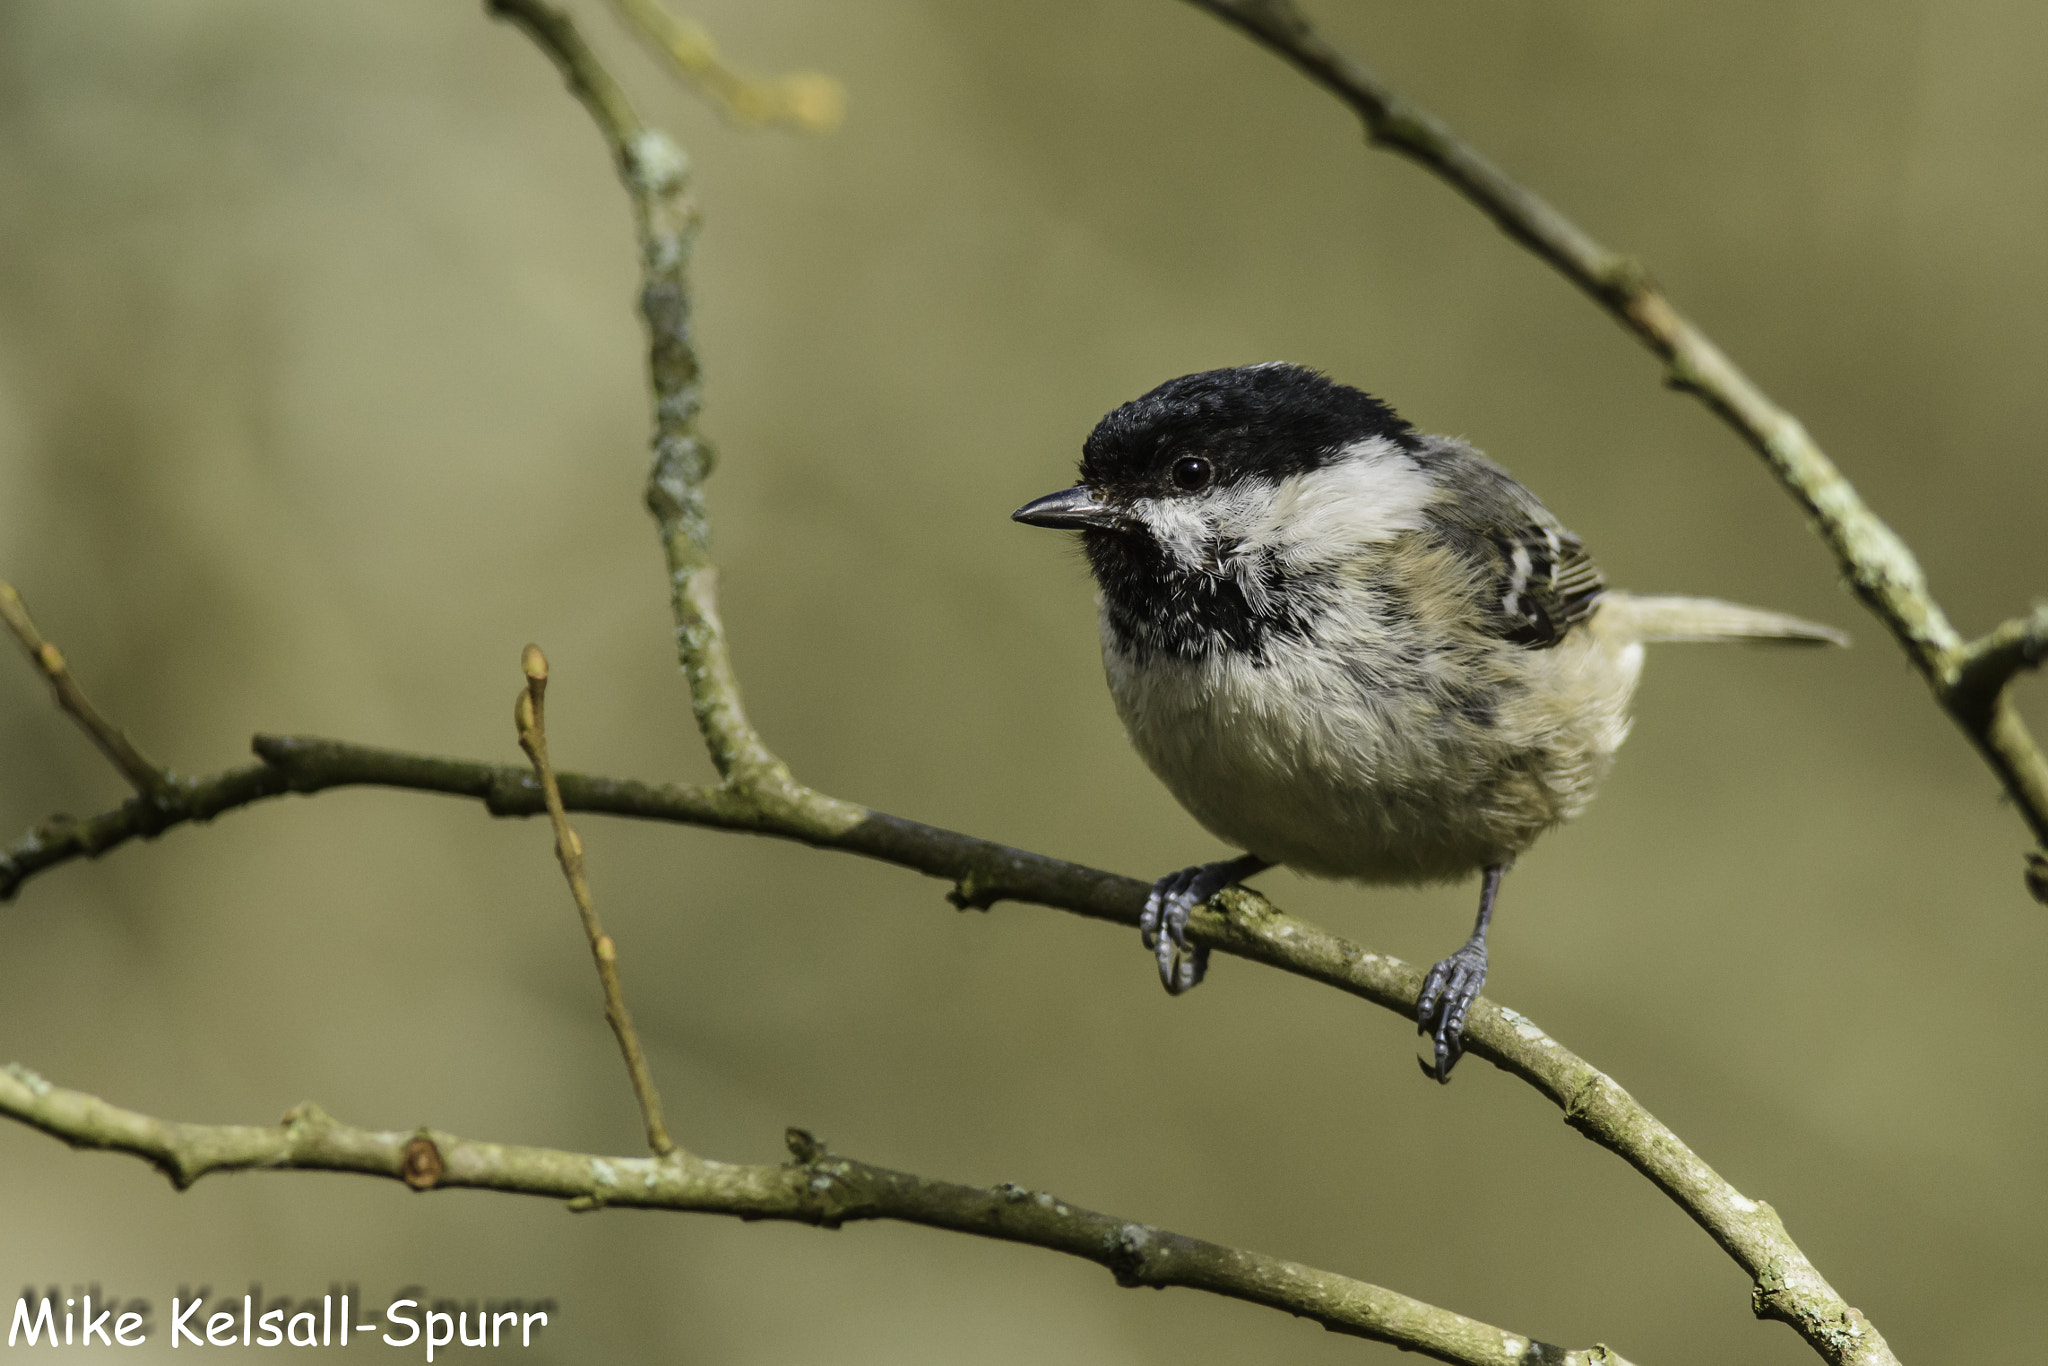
(1377, 774)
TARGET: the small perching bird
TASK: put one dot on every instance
(1353, 649)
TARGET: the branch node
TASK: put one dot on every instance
(420, 1165)
(306, 1115)
(1981, 670)
(971, 893)
(1127, 1252)
(37, 1085)
(1623, 279)
(1243, 908)
(1580, 1101)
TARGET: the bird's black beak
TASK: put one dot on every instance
(1079, 508)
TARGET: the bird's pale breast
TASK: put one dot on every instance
(1354, 758)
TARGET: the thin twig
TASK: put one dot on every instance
(1882, 571)
(819, 1188)
(807, 100)
(530, 714)
(983, 874)
(144, 776)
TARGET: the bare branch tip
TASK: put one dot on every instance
(816, 102)
(808, 101)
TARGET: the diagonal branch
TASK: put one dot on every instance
(1880, 568)
(819, 1187)
(530, 714)
(806, 100)
(146, 778)
(656, 176)
(1786, 1285)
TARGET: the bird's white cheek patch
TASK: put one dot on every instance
(1372, 493)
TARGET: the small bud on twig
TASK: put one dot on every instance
(421, 1166)
(529, 714)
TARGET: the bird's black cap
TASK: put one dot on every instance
(1273, 420)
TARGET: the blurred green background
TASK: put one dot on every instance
(321, 393)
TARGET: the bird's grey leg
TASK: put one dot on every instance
(1164, 925)
(1452, 986)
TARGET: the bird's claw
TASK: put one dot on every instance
(1164, 927)
(1446, 997)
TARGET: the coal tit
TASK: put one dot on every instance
(1351, 648)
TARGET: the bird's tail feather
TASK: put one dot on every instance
(1635, 617)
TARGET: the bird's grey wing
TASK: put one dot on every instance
(1547, 585)
(1533, 579)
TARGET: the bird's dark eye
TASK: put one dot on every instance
(1191, 472)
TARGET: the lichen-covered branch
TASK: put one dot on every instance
(530, 715)
(656, 175)
(806, 100)
(1242, 923)
(146, 778)
(819, 1187)
(1882, 571)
